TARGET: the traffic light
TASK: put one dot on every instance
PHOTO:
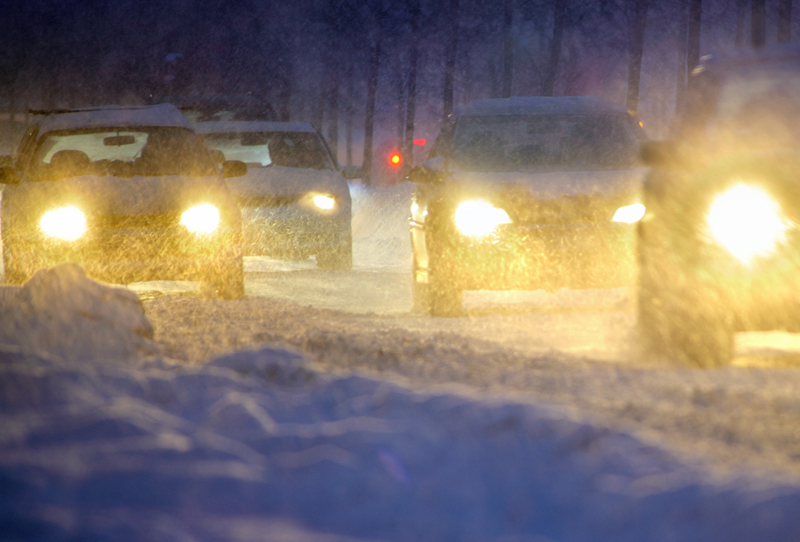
(395, 159)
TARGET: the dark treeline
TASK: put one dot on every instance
(387, 69)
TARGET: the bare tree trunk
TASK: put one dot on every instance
(559, 10)
(680, 80)
(400, 89)
(693, 38)
(758, 20)
(508, 48)
(285, 95)
(741, 15)
(784, 21)
(369, 118)
(348, 111)
(450, 61)
(638, 25)
(411, 102)
(333, 102)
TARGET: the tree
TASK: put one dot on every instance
(549, 81)
(638, 22)
(450, 60)
(508, 48)
(693, 34)
(784, 20)
(411, 99)
(758, 19)
(372, 89)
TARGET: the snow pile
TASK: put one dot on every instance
(257, 445)
(62, 312)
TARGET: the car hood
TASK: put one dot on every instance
(545, 185)
(119, 196)
(554, 197)
(286, 182)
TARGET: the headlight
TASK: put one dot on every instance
(67, 223)
(747, 221)
(629, 214)
(479, 218)
(201, 219)
(326, 203)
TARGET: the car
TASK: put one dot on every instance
(128, 192)
(526, 193)
(718, 246)
(295, 202)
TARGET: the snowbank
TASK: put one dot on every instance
(62, 312)
(257, 445)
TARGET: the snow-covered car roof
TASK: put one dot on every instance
(539, 105)
(241, 127)
(114, 116)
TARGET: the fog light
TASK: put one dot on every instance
(66, 223)
(747, 221)
(479, 218)
(201, 219)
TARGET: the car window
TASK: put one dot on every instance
(261, 149)
(125, 152)
(517, 142)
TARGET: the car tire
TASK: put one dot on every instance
(678, 317)
(13, 272)
(444, 297)
(227, 283)
(339, 257)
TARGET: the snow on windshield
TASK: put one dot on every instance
(119, 152)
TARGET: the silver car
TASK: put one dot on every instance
(295, 202)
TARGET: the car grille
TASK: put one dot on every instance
(581, 209)
(271, 200)
(135, 221)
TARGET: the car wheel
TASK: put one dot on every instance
(444, 296)
(678, 317)
(339, 257)
(227, 283)
(13, 270)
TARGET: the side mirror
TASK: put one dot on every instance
(352, 172)
(429, 171)
(658, 153)
(233, 168)
(9, 175)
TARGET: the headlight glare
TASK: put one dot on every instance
(747, 221)
(629, 214)
(201, 219)
(324, 202)
(66, 223)
(479, 218)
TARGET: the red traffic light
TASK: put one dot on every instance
(395, 159)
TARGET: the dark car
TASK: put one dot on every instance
(525, 194)
(294, 200)
(129, 193)
(222, 107)
(719, 243)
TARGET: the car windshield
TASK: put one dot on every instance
(518, 142)
(261, 149)
(120, 152)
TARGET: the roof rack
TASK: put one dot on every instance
(46, 112)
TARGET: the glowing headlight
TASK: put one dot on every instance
(201, 219)
(747, 221)
(629, 214)
(479, 218)
(326, 203)
(67, 223)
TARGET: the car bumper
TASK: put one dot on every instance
(548, 257)
(132, 254)
(289, 231)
